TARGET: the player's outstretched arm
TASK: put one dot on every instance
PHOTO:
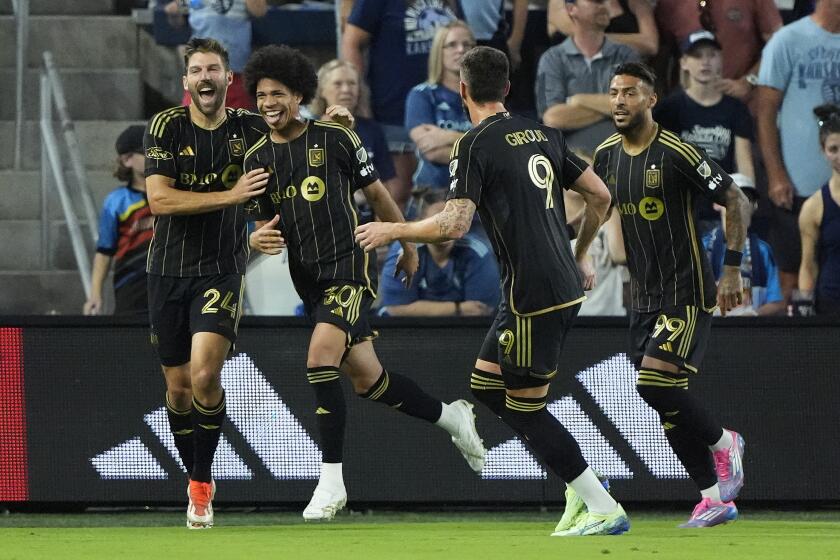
(453, 222)
(165, 199)
(386, 209)
(738, 212)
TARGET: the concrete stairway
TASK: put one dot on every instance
(97, 56)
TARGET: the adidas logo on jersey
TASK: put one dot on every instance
(188, 151)
(666, 347)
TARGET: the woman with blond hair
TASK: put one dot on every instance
(434, 114)
(339, 83)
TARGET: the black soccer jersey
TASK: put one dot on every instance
(654, 192)
(200, 160)
(313, 178)
(514, 170)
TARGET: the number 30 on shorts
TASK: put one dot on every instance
(213, 296)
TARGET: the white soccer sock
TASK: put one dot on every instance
(449, 419)
(593, 494)
(331, 475)
(712, 492)
(725, 441)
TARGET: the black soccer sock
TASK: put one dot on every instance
(693, 454)
(667, 393)
(207, 423)
(489, 389)
(331, 411)
(181, 426)
(546, 436)
(405, 395)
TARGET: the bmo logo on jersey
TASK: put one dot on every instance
(650, 208)
(229, 176)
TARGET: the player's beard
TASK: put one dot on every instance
(631, 125)
(210, 107)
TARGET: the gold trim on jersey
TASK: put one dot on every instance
(454, 152)
(354, 138)
(513, 281)
(695, 253)
(256, 146)
(159, 121)
(672, 136)
(369, 285)
(610, 141)
(672, 141)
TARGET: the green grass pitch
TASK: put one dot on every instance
(398, 536)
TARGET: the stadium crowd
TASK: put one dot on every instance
(759, 97)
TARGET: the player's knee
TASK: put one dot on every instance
(180, 397)
(206, 380)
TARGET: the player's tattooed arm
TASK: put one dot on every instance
(738, 212)
(453, 222)
(455, 219)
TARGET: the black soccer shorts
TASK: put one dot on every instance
(678, 336)
(343, 304)
(181, 307)
(527, 349)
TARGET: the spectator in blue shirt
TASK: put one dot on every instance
(434, 114)
(454, 278)
(397, 36)
(762, 290)
(125, 232)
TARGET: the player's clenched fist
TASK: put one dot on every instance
(266, 239)
(341, 115)
(250, 185)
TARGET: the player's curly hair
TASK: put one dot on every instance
(286, 65)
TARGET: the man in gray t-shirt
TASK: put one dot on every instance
(573, 77)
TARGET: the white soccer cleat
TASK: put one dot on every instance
(467, 440)
(325, 503)
(200, 507)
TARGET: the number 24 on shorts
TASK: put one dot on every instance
(213, 296)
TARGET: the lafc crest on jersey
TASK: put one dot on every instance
(237, 147)
(316, 157)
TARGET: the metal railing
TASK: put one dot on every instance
(21, 11)
(52, 93)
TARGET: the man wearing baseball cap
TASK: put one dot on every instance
(702, 114)
(125, 230)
